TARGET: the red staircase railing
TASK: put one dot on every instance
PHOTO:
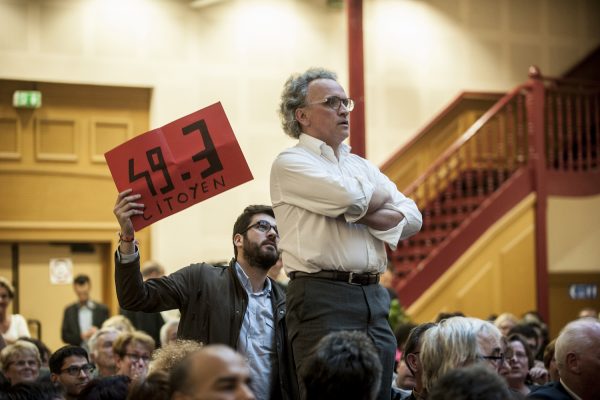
(541, 126)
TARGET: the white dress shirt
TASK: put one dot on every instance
(311, 188)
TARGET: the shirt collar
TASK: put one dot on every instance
(245, 281)
(319, 147)
(89, 304)
(572, 393)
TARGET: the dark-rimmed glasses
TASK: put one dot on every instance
(75, 370)
(498, 360)
(262, 226)
(335, 102)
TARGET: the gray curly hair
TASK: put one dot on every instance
(294, 96)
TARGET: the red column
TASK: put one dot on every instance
(356, 77)
(537, 163)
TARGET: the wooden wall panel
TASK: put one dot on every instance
(10, 138)
(497, 274)
(57, 140)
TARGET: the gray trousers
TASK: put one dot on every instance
(316, 307)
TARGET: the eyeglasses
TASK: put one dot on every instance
(136, 357)
(334, 102)
(75, 370)
(262, 226)
(498, 360)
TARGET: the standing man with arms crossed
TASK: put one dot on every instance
(236, 305)
(335, 212)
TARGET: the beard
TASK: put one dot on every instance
(259, 256)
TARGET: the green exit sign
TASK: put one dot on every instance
(27, 99)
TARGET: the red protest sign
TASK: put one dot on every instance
(180, 164)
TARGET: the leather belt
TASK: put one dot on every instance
(341, 276)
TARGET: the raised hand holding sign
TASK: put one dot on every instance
(180, 164)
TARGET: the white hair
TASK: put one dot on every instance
(579, 336)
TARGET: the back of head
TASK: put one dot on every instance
(166, 357)
(35, 390)
(154, 387)
(414, 340)
(579, 337)
(108, 388)
(450, 344)
(474, 382)
(343, 365)
(199, 368)
(58, 357)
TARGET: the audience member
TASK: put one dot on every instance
(343, 365)
(333, 235)
(120, 323)
(588, 312)
(107, 388)
(20, 362)
(445, 315)
(145, 321)
(412, 350)
(457, 342)
(520, 363)
(473, 382)
(168, 332)
(165, 358)
(44, 374)
(71, 368)
(132, 352)
(215, 371)
(505, 322)
(550, 361)
(241, 296)
(154, 387)
(12, 326)
(527, 331)
(577, 353)
(101, 351)
(82, 318)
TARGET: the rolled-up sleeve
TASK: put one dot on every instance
(298, 182)
(409, 225)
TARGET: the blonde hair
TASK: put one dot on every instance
(20, 347)
(120, 323)
(125, 338)
(165, 358)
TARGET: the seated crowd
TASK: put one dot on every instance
(456, 357)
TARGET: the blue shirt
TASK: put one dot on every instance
(257, 336)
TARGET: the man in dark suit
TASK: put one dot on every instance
(577, 354)
(82, 318)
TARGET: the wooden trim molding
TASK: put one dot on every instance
(42, 155)
(17, 154)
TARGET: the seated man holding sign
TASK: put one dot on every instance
(236, 305)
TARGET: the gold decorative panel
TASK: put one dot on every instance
(10, 139)
(106, 134)
(56, 140)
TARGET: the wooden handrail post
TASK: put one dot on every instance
(537, 165)
(356, 76)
